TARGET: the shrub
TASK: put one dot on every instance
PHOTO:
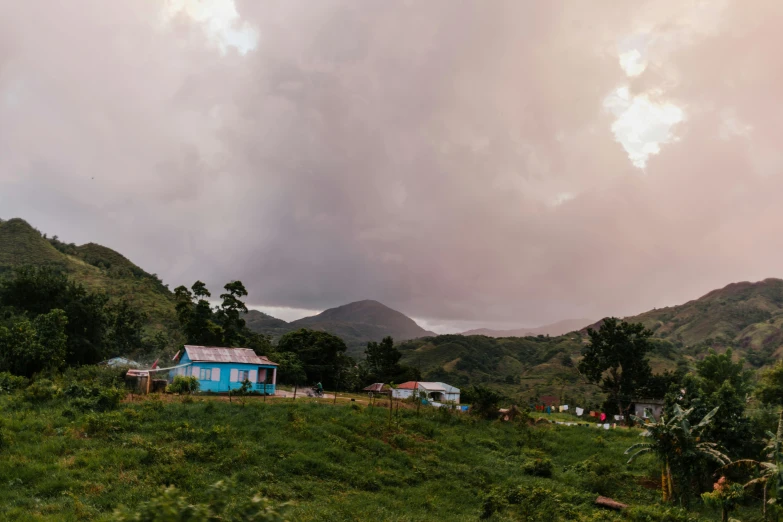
(40, 391)
(528, 504)
(485, 402)
(653, 513)
(183, 384)
(540, 467)
(172, 506)
(10, 383)
(104, 423)
(93, 397)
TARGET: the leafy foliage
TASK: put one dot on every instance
(29, 347)
(383, 363)
(484, 402)
(322, 355)
(678, 446)
(171, 506)
(184, 384)
(770, 389)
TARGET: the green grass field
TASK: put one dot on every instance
(336, 463)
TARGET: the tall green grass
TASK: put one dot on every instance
(336, 463)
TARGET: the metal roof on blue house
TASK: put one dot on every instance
(221, 369)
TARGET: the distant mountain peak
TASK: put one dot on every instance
(356, 323)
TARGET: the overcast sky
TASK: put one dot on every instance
(469, 163)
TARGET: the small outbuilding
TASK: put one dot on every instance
(220, 369)
(378, 388)
(648, 408)
(433, 391)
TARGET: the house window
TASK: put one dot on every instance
(205, 374)
(243, 375)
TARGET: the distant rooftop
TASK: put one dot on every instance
(225, 355)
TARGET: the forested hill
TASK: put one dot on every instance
(96, 267)
(356, 323)
(522, 367)
(745, 316)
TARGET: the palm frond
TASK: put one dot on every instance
(638, 445)
(707, 418)
(642, 451)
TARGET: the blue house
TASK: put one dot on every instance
(222, 369)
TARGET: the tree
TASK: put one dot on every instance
(223, 326)
(195, 316)
(719, 381)
(33, 291)
(615, 358)
(484, 402)
(127, 323)
(290, 368)
(231, 311)
(770, 389)
(383, 360)
(322, 354)
(717, 369)
(28, 347)
(770, 471)
(680, 449)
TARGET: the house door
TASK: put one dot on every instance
(262, 379)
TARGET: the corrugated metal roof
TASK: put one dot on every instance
(226, 355)
(432, 386)
(377, 387)
(429, 386)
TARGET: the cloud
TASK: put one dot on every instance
(456, 162)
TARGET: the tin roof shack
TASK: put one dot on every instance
(220, 370)
(433, 391)
(378, 388)
(645, 408)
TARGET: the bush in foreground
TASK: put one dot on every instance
(171, 506)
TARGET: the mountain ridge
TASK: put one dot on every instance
(553, 329)
(746, 316)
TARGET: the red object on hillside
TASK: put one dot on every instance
(155, 364)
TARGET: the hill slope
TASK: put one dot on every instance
(554, 329)
(97, 267)
(746, 316)
(356, 323)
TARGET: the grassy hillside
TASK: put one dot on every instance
(746, 316)
(336, 463)
(96, 267)
(21, 244)
(355, 323)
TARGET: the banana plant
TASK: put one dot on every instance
(770, 471)
(676, 443)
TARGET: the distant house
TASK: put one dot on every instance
(222, 369)
(549, 400)
(434, 391)
(647, 408)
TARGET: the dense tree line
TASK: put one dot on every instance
(48, 321)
